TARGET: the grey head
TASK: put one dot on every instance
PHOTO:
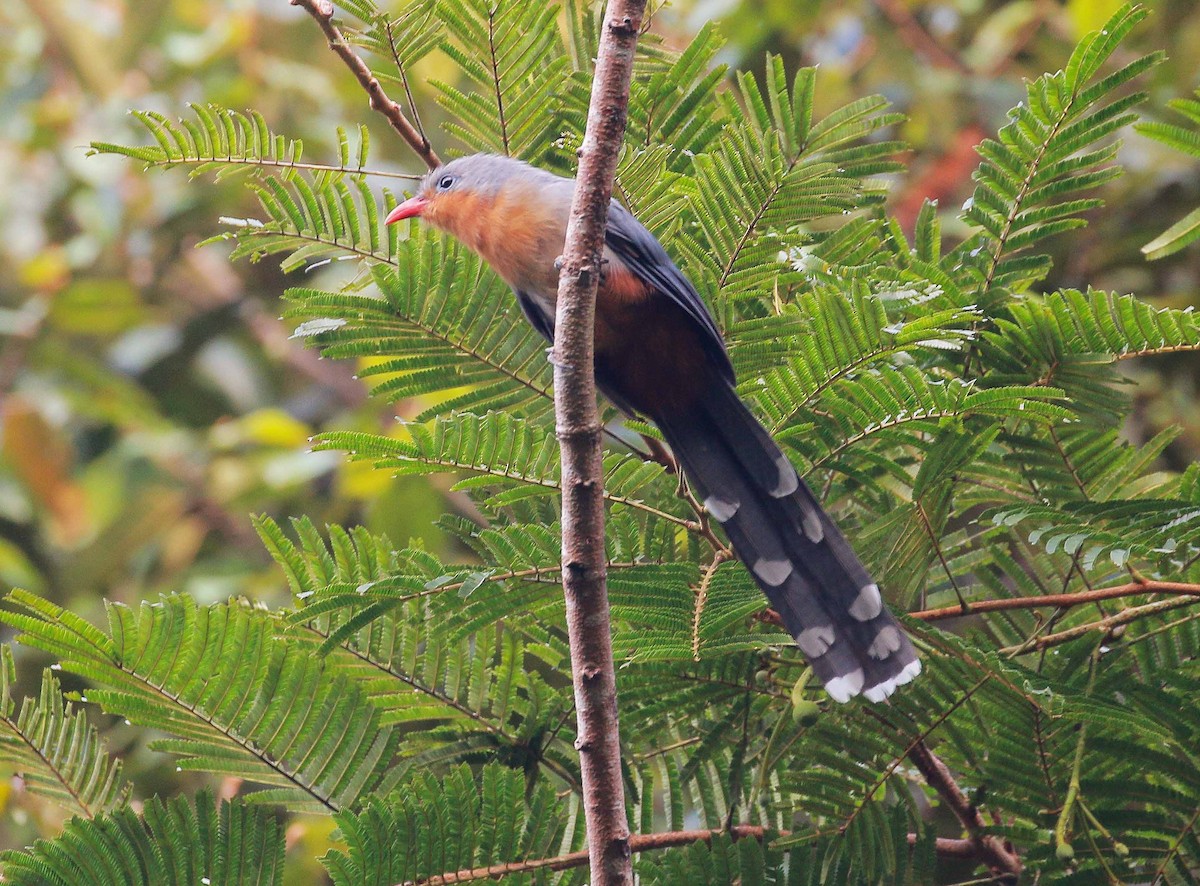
(484, 174)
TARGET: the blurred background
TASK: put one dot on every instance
(151, 399)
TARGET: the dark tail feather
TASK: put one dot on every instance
(796, 554)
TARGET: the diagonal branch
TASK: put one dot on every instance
(1062, 601)
(995, 852)
(579, 430)
(637, 843)
(1124, 617)
(322, 13)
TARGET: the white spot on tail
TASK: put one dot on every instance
(880, 691)
(886, 642)
(789, 482)
(867, 604)
(815, 642)
(911, 670)
(842, 689)
(812, 527)
(721, 509)
(773, 572)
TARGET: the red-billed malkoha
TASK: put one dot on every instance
(659, 355)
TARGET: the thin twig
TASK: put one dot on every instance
(1178, 589)
(999, 856)
(637, 843)
(946, 848)
(322, 13)
(1062, 827)
(1125, 616)
(578, 428)
(1064, 601)
(412, 104)
(702, 598)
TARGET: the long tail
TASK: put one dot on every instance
(796, 554)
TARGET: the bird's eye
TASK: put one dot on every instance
(445, 183)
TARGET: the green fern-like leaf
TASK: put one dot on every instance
(443, 324)
(55, 750)
(841, 336)
(421, 640)
(1144, 530)
(1072, 340)
(238, 700)
(511, 54)
(402, 38)
(1185, 138)
(1030, 183)
(771, 170)
(435, 826)
(510, 457)
(313, 218)
(170, 842)
(225, 142)
(898, 406)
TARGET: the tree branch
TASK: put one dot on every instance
(996, 853)
(322, 13)
(637, 843)
(1116, 620)
(578, 429)
(945, 847)
(1062, 601)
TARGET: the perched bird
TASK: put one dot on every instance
(660, 355)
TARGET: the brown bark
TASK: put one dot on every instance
(578, 429)
(322, 13)
(1062, 601)
(993, 851)
(946, 847)
(1059, 601)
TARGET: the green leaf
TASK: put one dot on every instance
(55, 750)
(171, 842)
(1175, 238)
(434, 826)
(239, 700)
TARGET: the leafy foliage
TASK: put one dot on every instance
(443, 324)
(1029, 183)
(433, 825)
(1186, 139)
(237, 700)
(963, 425)
(171, 842)
(222, 141)
(54, 749)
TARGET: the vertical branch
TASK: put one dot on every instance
(578, 429)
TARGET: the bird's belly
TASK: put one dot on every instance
(650, 357)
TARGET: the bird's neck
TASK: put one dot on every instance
(514, 231)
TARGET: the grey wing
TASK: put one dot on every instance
(537, 316)
(648, 261)
(543, 322)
